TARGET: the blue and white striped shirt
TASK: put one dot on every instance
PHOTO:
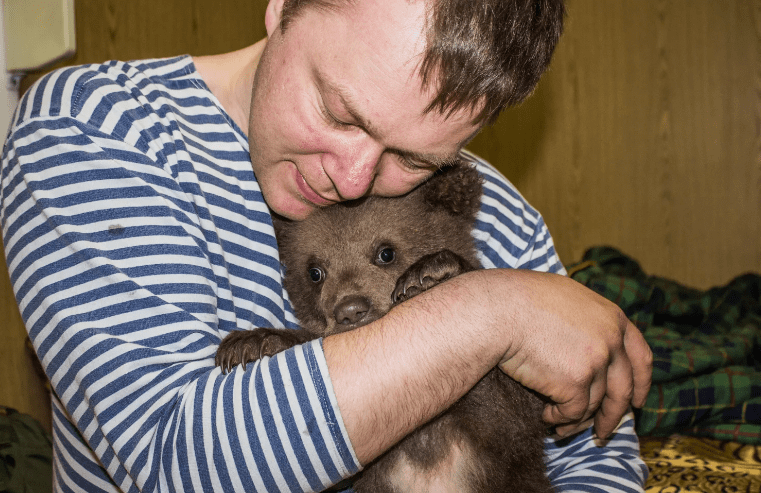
(137, 238)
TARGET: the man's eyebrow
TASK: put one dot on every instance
(325, 84)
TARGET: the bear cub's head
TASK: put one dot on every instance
(343, 261)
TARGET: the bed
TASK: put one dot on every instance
(700, 429)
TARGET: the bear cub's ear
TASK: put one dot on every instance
(456, 188)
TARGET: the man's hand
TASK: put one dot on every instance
(579, 349)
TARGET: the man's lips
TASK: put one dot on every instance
(307, 192)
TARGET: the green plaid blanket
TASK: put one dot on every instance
(706, 347)
(26, 454)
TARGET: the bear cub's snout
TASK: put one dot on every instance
(353, 311)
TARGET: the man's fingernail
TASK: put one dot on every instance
(601, 442)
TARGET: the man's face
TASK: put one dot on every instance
(337, 110)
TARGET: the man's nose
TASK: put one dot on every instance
(353, 165)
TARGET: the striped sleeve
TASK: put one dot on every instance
(581, 464)
(511, 234)
(136, 238)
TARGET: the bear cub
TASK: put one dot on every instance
(349, 264)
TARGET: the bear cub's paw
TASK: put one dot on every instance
(246, 346)
(427, 272)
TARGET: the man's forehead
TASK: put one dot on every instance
(411, 36)
(394, 29)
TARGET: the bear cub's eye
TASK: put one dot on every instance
(316, 274)
(386, 255)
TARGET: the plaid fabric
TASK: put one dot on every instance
(26, 454)
(706, 347)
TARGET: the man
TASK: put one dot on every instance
(137, 237)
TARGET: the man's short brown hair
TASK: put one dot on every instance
(483, 54)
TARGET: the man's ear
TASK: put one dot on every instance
(272, 15)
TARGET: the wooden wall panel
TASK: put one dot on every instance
(20, 385)
(645, 135)
(134, 29)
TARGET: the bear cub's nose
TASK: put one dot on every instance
(352, 310)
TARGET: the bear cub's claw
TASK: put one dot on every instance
(246, 346)
(427, 272)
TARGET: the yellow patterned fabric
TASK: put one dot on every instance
(681, 463)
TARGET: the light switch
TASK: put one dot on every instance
(37, 33)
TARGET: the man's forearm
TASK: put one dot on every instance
(403, 369)
(548, 332)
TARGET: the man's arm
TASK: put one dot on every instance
(550, 333)
(511, 234)
(129, 264)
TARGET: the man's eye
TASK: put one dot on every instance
(415, 165)
(332, 120)
(338, 123)
(316, 274)
(335, 120)
(386, 256)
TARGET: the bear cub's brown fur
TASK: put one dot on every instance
(349, 264)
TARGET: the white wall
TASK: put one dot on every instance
(8, 95)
